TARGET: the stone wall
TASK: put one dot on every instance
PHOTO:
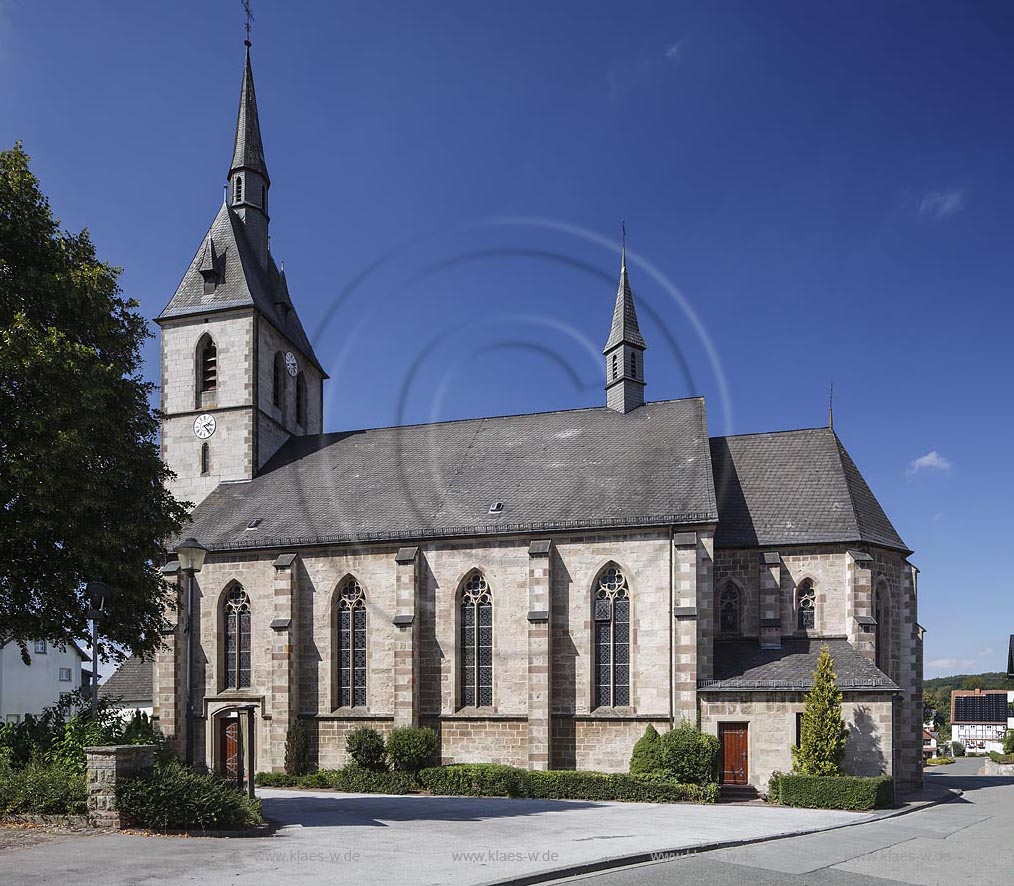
(106, 767)
(771, 717)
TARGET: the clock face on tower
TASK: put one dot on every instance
(290, 363)
(204, 426)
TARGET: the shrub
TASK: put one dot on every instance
(276, 780)
(835, 792)
(688, 755)
(958, 748)
(366, 748)
(354, 779)
(175, 797)
(42, 788)
(1001, 758)
(297, 749)
(1008, 742)
(474, 780)
(822, 731)
(775, 787)
(939, 761)
(411, 748)
(647, 755)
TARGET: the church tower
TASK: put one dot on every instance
(239, 375)
(624, 350)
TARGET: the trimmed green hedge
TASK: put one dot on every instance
(42, 789)
(831, 791)
(350, 779)
(175, 797)
(491, 780)
(1001, 758)
(939, 761)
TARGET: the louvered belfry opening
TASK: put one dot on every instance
(209, 367)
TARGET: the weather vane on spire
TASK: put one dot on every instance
(249, 19)
(623, 242)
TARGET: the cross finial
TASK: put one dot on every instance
(249, 19)
(830, 408)
(623, 246)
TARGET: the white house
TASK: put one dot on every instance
(129, 689)
(979, 719)
(29, 689)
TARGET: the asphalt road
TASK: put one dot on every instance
(968, 840)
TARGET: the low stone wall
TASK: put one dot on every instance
(108, 765)
(1002, 769)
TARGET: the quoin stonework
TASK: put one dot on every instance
(537, 588)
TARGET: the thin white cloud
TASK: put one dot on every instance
(987, 652)
(931, 461)
(937, 205)
(675, 50)
(943, 664)
(628, 75)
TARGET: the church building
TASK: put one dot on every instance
(536, 588)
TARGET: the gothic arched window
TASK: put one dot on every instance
(806, 606)
(205, 458)
(237, 639)
(616, 369)
(301, 400)
(612, 638)
(729, 610)
(351, 645)
(278, 380)
(238, 189)
(476, 642)
(207, 365)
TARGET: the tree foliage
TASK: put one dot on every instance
(82, 487)
(822, 733)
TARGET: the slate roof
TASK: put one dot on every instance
(248, 149)
(743, 665)
(131, 683)
(624, 327)
(580, 468)
(794, 487)
(243, 282)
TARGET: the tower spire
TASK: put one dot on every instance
(625, 346)
(248, 149)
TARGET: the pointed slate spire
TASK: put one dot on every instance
(624, 328)
(248, 150)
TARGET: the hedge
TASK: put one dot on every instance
(492, 780)
(42, 789)
(1001, 758)
(175, 797)
(831, 791)
(350, 779)
(939, 761)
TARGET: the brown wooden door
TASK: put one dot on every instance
(734, 740)
(230, 748)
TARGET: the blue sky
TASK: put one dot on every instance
(813, 193)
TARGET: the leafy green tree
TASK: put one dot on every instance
(82, 487)
(822, 733)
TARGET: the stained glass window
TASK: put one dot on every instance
(351, 645)
(476, 643)
(237, 639)
(807, 606)
(611, 611)
(728, 610)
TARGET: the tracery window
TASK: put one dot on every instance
(729, 610)
(476, 642)
(237, 639)
(806, 605)
(351, 645)
(612, 638)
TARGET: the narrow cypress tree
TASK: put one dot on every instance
(822, 733)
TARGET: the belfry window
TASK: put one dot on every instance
(611, 610)
(278, 380)
(238, 190)
(616, 368)
(633, 364)
(301, 400)
(476, 642)
(237, 639)
(729, 610)
(806, 605)
(351, 645)
(207, 365)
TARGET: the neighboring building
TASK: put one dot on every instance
(130, 687)
(929, 743)
(30, 689)
(980, 717)
(537, 588)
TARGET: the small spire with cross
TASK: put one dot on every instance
(249, 19)
(830, 408)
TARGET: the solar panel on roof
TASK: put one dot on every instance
(991, 708)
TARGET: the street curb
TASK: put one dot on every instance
(660, 856)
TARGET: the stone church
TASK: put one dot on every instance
(536, 588)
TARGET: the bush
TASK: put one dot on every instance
(775, 787)
(297, 749)
(493, 780)
(350, 779)
(42, 788)
(958, 748)
(276, 780)
(822, 732)
(939, 761)
(366, 748)
(175, 797)
(411, 748)
(1008, 743)
(647, 755)
(1001, 758)
(689, 756)
(835, 792)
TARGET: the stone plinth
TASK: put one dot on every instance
(107, 766)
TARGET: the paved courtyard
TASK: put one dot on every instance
(379, 840)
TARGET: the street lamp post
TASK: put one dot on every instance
(191, 554)
(98, 592)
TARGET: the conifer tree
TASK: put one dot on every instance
(822, 733)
